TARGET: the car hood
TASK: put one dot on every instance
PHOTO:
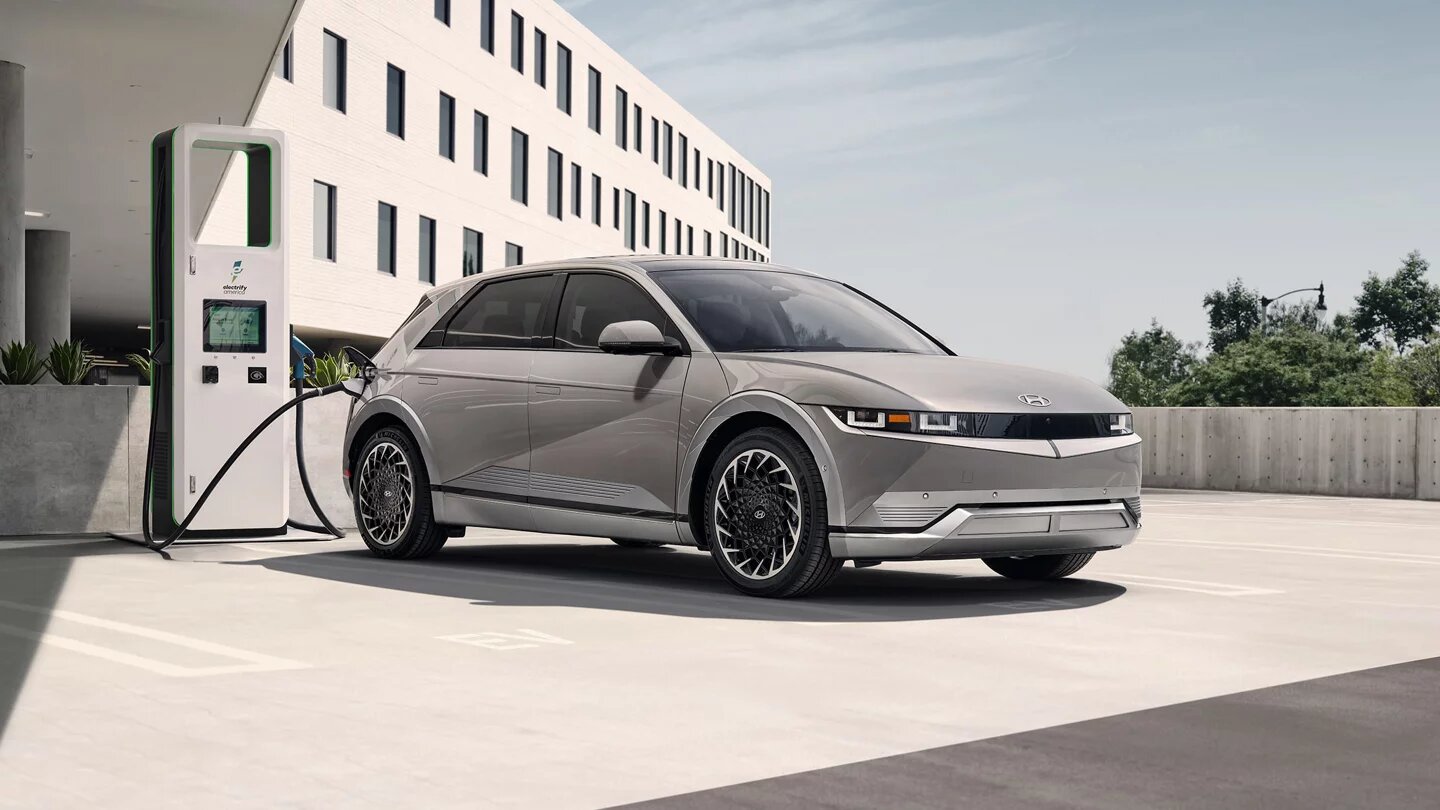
(916, 382)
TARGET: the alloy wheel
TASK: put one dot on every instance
(758, 515)
(386, 493)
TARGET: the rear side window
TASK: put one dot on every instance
(503, 314)
(593, 301)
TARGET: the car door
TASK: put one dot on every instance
(603, 426)
(470, 389)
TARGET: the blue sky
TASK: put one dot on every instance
(1031, 180)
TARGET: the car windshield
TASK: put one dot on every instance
(766, 311)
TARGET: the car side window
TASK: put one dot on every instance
(593, 301)
(507, 314)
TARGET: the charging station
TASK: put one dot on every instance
(219, 338)
(221, 349)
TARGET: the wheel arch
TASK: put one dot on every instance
(732, 417)
(378, 413)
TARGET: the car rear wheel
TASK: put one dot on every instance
(391, 492)
(1044, 566)
(765, 516)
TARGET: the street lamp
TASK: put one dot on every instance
(1319, 305)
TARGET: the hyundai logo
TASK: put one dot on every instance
(1034, 399)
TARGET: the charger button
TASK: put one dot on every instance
(256, 374)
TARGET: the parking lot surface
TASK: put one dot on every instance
(1248, 650)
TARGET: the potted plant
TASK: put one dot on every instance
(20, 364)
(69, 362)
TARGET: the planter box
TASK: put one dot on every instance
(72, 458)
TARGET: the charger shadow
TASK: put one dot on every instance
(684, 583)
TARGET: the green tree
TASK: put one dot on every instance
(1234, 314)
(1148, 365)
(1399, 310)
(1296, 366)
(1421, 368)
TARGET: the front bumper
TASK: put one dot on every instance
(997, 531)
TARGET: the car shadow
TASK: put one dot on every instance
(684, 583)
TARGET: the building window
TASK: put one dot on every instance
(447, 127)
(655, 140)
(597, 192)
(427, 250)
(645, 224)
(709, 248)
(720, 186)
(731, 170)
(555, 185)
(678, 231)
(473, 250)
(519, 167)
(594, 99)
(689, 240)
(324, 221)
(663, 231)
(562, 78)
(517, 41)
(639, 129)
(710, 178)
(696, 175)
(576, 196)
(285, 61)
(684, 161)
(385, 241)
(487, 25)
(724, 246)
(766, 229)
(395, 101)
(630, 219)
(481, 150)
(541, 51)
(622, 117)
(514, 254)
(442, 11)
(335, 71)
(669, 147)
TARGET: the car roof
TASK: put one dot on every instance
(644, 264)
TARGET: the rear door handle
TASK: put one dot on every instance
(428, 380)
(547, 389)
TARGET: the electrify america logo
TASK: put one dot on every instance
(232, 288)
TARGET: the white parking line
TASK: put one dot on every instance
(1306, 551)
(254, 662)
(1190, 585)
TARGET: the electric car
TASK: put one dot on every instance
(783, 421)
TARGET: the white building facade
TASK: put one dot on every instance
(431, 139)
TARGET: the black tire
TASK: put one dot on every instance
(420, 535)
(810, 566)
(624, 543)
(1045, 566)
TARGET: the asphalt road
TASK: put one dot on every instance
(1248, 651)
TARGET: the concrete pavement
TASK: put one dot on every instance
(527, 671)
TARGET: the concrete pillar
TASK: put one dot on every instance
(12, 202)
(47, 287)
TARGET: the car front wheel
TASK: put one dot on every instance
(391, 491)
(765, 516)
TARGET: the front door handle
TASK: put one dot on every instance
(547, 389)
(428, 380)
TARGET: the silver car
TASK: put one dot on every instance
(780, 420)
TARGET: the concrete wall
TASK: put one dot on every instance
(1363, 452)
(72, 459)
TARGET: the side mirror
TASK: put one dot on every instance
(636, 337)
(362, 361)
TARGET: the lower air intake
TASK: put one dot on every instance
(1133, 504)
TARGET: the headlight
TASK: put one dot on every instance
(988, 425)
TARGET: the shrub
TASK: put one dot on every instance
(20, 364)
(69, 362)
(142, 364)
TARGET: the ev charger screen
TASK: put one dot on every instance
(235, 326)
